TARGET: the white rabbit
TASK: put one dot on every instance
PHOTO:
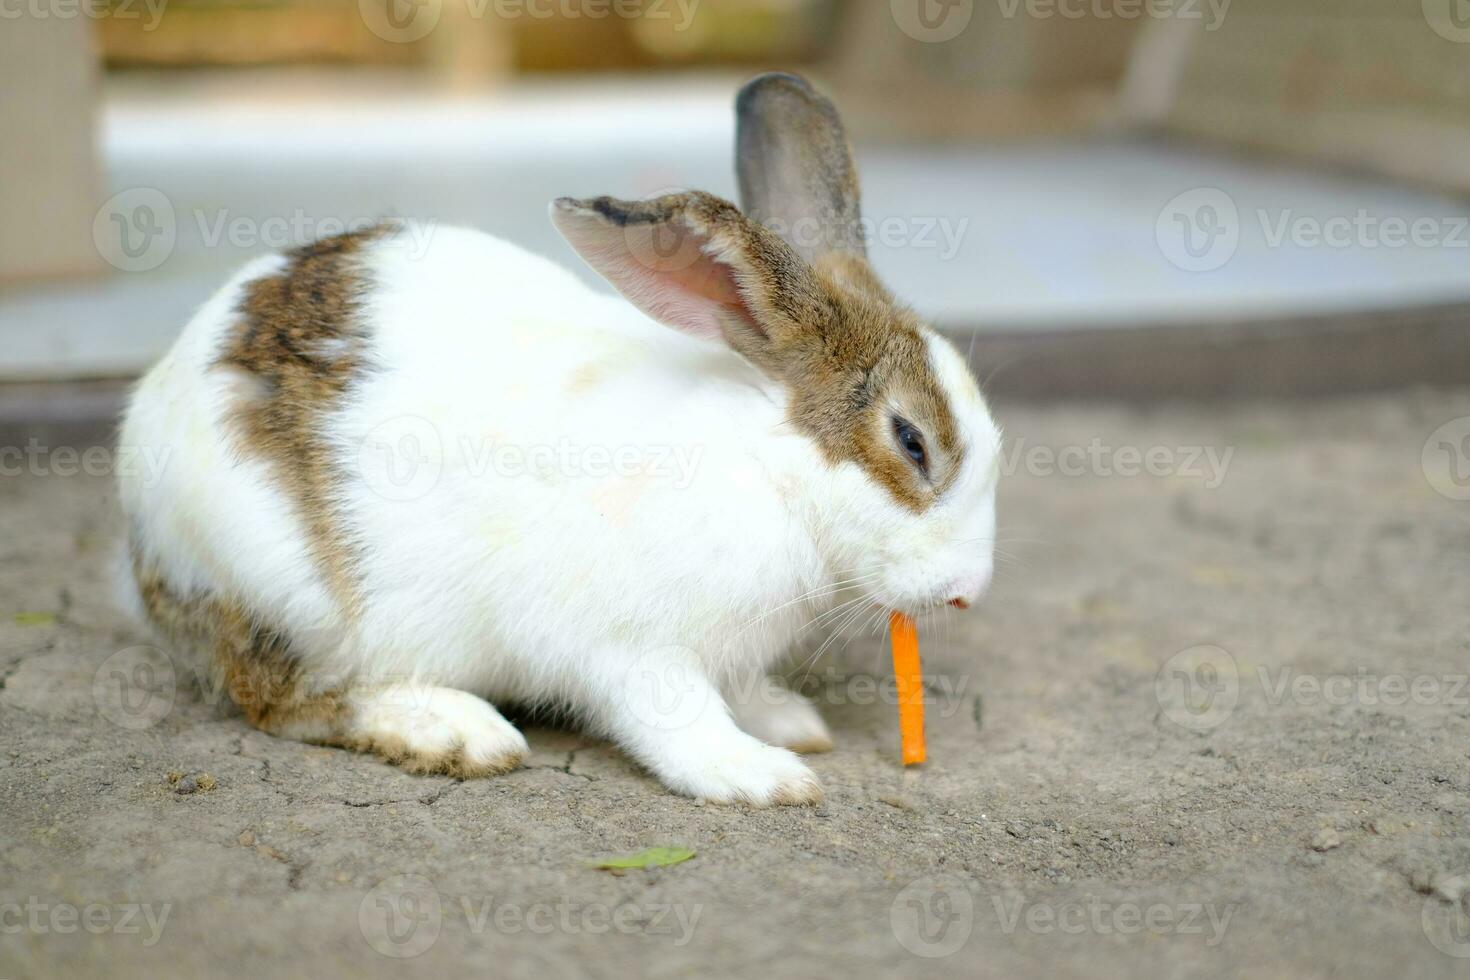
(398, 485)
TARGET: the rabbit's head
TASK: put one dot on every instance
(907, 506)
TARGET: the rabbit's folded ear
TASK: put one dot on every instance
(795, 167)
(694, 262)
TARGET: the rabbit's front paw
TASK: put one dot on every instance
(749, 772)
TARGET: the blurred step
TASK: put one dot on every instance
(1014, 242)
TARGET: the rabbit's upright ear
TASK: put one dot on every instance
(795, 167)
(694, 262)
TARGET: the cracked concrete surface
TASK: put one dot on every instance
(1195, 730)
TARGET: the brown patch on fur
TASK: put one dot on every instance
(809, 793)
(253, 664)
(300, 337)
(248, 661)
(848, 354)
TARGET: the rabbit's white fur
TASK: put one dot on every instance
(635, 597)
(557, 586)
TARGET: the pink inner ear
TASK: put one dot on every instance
(687, 290)
(694, 298)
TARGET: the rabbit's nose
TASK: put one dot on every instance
(967, 591)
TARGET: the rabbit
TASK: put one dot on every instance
(401, 488)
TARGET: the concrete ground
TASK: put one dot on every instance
(1212, 721)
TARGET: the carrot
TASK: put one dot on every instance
(910, 680)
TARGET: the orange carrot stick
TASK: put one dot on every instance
(910, 680)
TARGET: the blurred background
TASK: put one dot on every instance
(1099, 197)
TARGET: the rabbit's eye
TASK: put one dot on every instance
(912, 443)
